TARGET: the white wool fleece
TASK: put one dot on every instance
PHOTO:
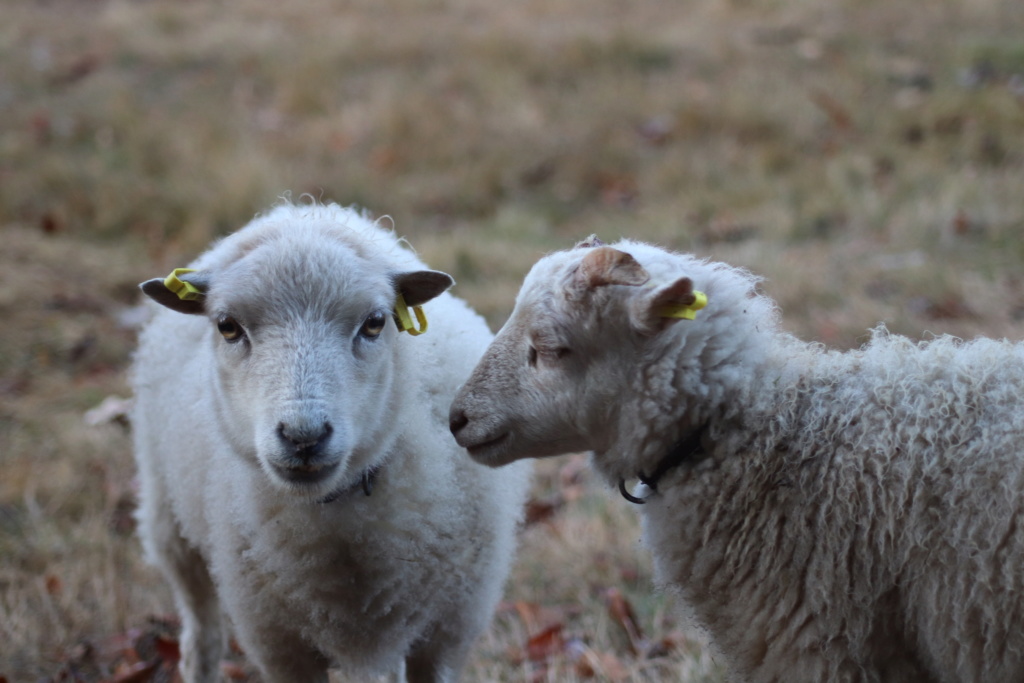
(846, 517)
(296, 469)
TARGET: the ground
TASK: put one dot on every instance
(865, 157)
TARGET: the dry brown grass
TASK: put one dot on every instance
(866, 157)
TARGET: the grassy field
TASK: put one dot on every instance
(865, 156)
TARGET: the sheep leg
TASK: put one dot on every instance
(424, 669)
(435, 662)
(195, 595)
(202, 641)
(284, 664)
(398, 675)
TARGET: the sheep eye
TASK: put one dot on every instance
(549, 355)
(373, 325)
(230, 329)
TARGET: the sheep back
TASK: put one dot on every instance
(852, 516)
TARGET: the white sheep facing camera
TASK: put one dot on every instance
(296, 469)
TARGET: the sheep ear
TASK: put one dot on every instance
(666, 305)
(589, 243)
(420, 286)
(183, 291)
(607, 266)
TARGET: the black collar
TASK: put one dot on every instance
(686, 449)
(365, 482)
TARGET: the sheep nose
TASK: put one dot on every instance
(307, 440)
(456, 421)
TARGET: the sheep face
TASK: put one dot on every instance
(557, 374)
(302, 338)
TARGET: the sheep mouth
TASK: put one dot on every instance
(306, 473)
(477, 450)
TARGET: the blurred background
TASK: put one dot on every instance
(866, 157)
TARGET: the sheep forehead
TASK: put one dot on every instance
(549, 286)
(284, 227)
(288, 275)
(543, 293)
(313, 221)
(549, 278)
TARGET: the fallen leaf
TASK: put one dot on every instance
(120, 647)
(384, 159)
(622, 613)
(965, 226)
(136, 673)
(604, 664)
(572, 477)
(53, 584)
(725, 229)
(50, 224)
(82, 349)
(833, 109)
(539, 173)
(542, 510)
(539, 675)
(42, 129)
(339, 142)
(629, 573)
(527, 612)
(168, 648)
(77, 70)
(16, 384)
(545, 644)
(672, 642)
(947, 307)
(617, 189)
(235, 672)
(81, 664)
(535, 617)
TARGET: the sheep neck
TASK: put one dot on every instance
(687, 449)
(694, 386)
(365, 482)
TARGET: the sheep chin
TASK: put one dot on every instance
(507, 448)
(304, 476)
(493, 452)
(315, 478)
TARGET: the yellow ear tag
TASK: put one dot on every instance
(686, 312)
(186, 291)
(405, 323)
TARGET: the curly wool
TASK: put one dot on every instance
(858, 516)
(847, 517)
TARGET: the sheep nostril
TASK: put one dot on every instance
(307, 441)
(457, 421)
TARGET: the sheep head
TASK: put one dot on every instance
(584, 323)
(302, 338)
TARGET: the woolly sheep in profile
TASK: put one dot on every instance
(826, 516)
(296, 467)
